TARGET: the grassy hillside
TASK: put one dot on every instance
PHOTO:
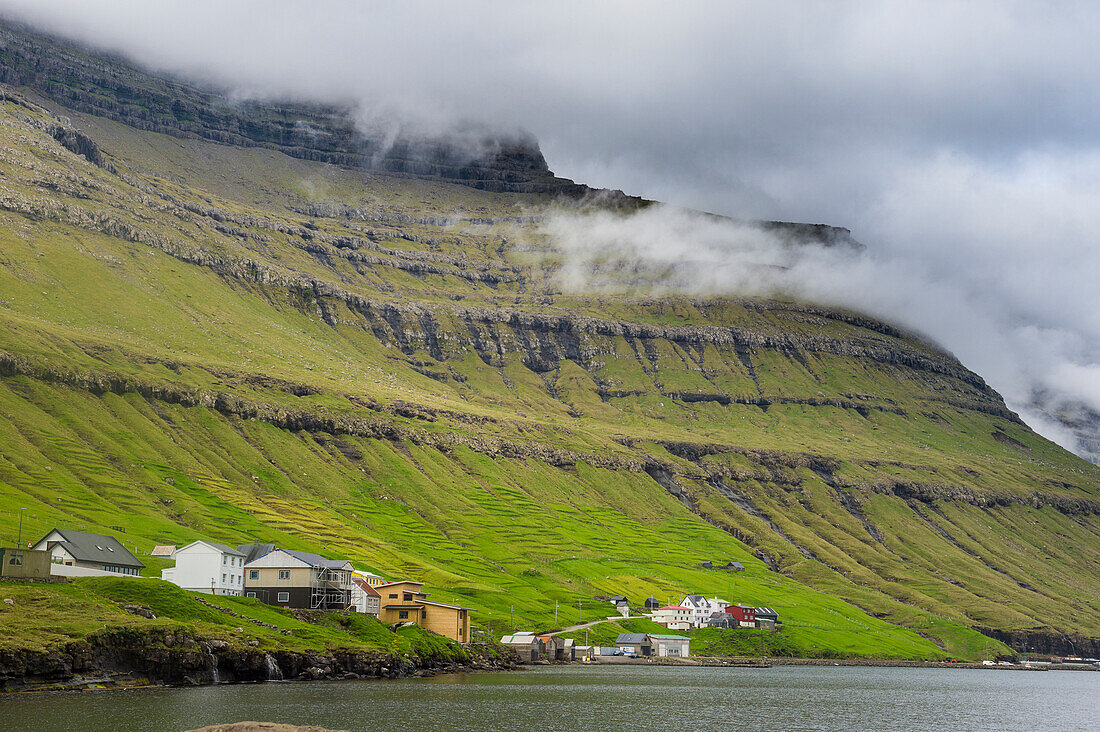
(206, 341)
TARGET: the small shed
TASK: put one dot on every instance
(618, 600)
(526, 645)
(766, 617)
(651, 603)
(163, 550)
(25, 563)
(636, 643)
(553, 647)
(706, 564)
(735, 567)
(721, 620)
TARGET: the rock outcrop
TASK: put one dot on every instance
(86, 81)
(136, 656)
(261, 727)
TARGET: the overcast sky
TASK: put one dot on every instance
(959, 141)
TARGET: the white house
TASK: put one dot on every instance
(364, 598)
(674, 617)
(203, 566)
(702, 608)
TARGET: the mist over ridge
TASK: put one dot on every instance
(959, 144)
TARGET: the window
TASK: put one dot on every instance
(284, 574)
(16, 560)
(283, 597)
(408, 597)
(225, 559)
(393, 596)
(223, 578)
(253, 574)
(403, 614)
(250, 594)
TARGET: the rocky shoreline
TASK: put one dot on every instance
(123, 657)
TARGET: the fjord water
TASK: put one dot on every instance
(604, 698)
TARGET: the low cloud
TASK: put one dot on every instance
(669, 250)
(957, 140)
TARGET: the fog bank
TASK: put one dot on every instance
(959, 140)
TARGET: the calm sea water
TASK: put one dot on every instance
(600, 698)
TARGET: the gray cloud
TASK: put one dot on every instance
(958, 140)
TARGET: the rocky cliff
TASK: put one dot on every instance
(83, 80)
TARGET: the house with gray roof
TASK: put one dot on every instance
(638, 644)
(290, 578)
(97, 552)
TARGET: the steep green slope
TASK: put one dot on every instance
(199, 340)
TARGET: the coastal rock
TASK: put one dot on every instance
(261, 727)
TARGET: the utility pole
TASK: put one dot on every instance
(578, 610)
(19, 541)
(555, 613)
(512, 618)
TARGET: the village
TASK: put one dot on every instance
(301, 580)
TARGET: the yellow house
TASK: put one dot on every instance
(405, 602)
(371, 578)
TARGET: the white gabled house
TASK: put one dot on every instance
(702, 608)
(203, 566)
(79, 553)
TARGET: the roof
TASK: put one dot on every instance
(365, 587)
(519, 638)
(670, 637)
(163, 550)
(674, 607)
(96, 548)
(766, 611)
(617, 598)
(736, 565)
(631, 638)
(442, 604)
(400, 582)
(220, 547)
(253, 552)
(316, 560)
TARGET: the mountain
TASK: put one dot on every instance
(213, 325)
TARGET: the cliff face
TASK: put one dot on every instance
(86, 81)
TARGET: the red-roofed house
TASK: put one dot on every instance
(364, 598)
(674, 617)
